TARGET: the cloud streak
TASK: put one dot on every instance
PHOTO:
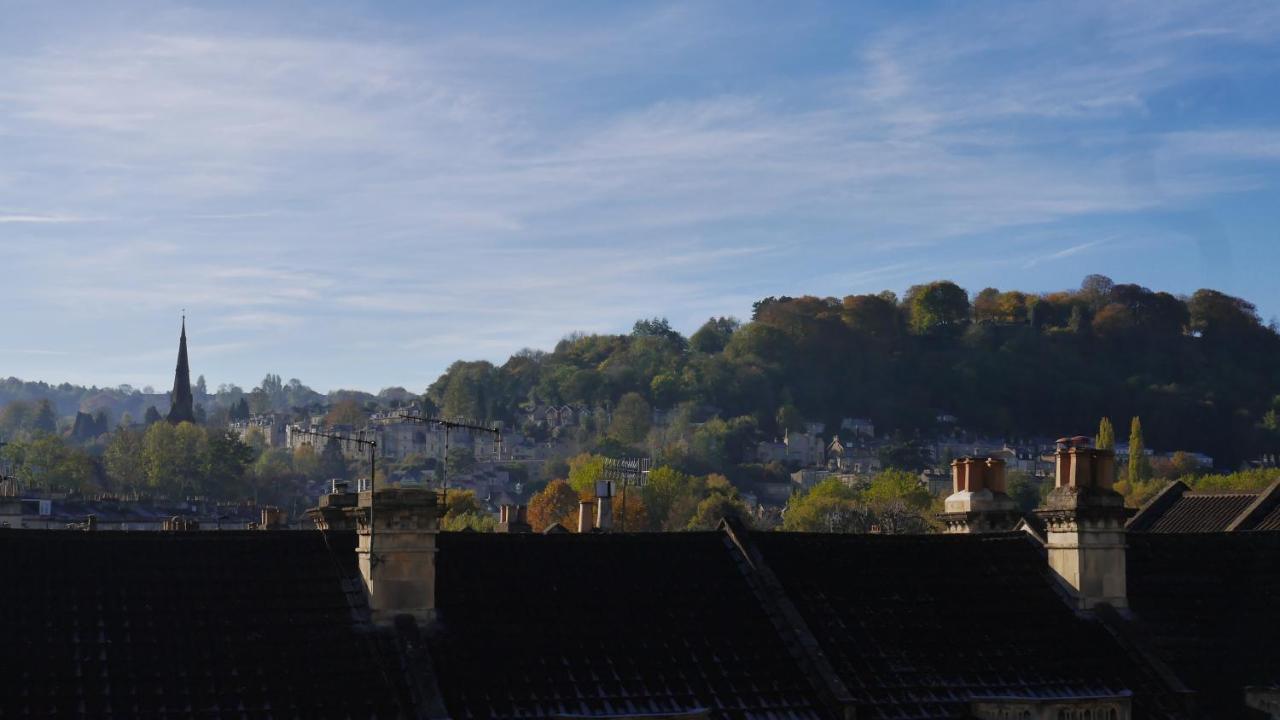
(422, 181)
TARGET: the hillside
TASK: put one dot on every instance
(1201, 370)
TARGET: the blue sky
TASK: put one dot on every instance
(356, 194)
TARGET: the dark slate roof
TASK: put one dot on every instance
(1270, 521)
(538, 625)
(1210, 603)
(167, 625)
(917, 626)
(1201, 512)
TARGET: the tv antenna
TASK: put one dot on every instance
(626, 471)
(451, 424)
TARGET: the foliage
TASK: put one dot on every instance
(893, 503)
(1139, 466)
(346, 412)
(584, 471)
(556, 503)
(631, 419)
(1106, 439)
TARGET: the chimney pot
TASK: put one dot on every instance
(585, 516)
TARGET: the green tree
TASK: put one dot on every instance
(663, 491)
(714, 335)
(124, 458)
(631, 419)
(1139, 466)
(460, 461)
(893, 485)
(333, 465)
(1106, 439)
(584, 471)
(937, 305)
(829, 506)
(718, 506)
(175, 458)
(46, 420)
(226, 462)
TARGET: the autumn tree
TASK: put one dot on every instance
(346, 412)
(556, 503)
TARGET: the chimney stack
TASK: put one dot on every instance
(397, 529)
(1084, 518)
(979, 502)
(585, 516)
(272, 519)
(513, 519)
(337, 510)
(604, 505)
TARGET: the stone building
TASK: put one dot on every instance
(377, 613)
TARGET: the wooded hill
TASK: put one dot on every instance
(1201, 371)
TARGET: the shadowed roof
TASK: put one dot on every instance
(209, 624)
(538, 625)
(1210, 602)
(918, 626)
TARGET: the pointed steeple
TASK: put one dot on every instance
(182, 405)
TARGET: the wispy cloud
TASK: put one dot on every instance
(18, 218)
(477, 183)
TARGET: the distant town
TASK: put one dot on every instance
(741, 419)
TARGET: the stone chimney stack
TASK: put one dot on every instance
(979, 502)
(397, 529)
(513, 519)
(1084, 518)
(337, 510)
(604, 505)
(586, 524)
(273, 518)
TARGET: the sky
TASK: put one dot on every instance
(357, 194)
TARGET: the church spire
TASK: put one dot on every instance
(182, 405)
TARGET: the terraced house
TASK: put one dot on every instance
(376, 613)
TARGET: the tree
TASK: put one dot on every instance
(656, 327)
(333, 464)
(1139, 466)
(240, 410)
(829, 506)
(46, 421)
(1221, 317)
(1106, 439)
(714, 335)
(584, 471)
(894, 485)
(1096, 290)
(226, 462)
(152, 415)
(662, 493)
(557, 503)
(346, 412)
(460, 461)
(631, 419)
(722, 501)
(665, 389)
(124, 458)
(937, 305)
